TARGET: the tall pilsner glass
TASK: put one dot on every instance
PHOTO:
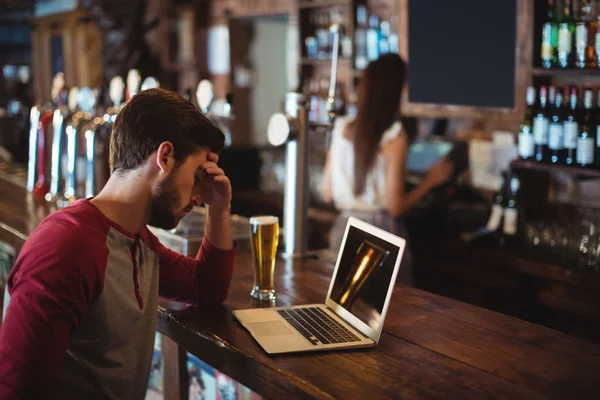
(264, 232)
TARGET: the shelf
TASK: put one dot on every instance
(324, 3)
(579, 171)
(567, 72)
(321, 62)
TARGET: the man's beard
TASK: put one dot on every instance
(165, 201)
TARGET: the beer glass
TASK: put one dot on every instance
(264, 232)
(368, 258)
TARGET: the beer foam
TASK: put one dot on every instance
(264, 220)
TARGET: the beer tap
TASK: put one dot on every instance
(39, 133)
(85, 101)
(115, 94)
(150, 83)
(58, 122)
(291, 128)
(133, 84)
(34, 120)
(205, 97)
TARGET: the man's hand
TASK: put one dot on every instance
(215, 188)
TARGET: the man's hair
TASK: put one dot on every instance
(155, 116)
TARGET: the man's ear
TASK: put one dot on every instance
(165, 156)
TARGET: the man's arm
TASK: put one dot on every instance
(50, 291)
(206, 279)
(217, 228)
(200, 281)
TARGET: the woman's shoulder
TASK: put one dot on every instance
(340, 123)
(392, 133)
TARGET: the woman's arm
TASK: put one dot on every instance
(399, 201)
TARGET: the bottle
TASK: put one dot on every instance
(360, 38)
(571, 128)
(393, 39)
(550, 37)
(496, 217)
(586, 142)
(526, 144)
(585, 37)
(540, 128)
(566, 29)
(322, 34)
(597, 155)
(373, 35)
(556, 130)
(384, 42)
(511, 210)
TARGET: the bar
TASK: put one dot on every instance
(405, 201)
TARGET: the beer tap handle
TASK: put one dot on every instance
(55, 166)
(41, 187)
(71, 159)
(335, 30)
(90, 152)
(34, 120)
(204, 95)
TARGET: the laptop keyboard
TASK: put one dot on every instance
(315, 325)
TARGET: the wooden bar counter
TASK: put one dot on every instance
(431, 347)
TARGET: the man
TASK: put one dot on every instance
(83, 293)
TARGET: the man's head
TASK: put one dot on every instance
(168, 138)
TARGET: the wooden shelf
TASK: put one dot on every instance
(579, 171)
(323, 3)
(567, 72)
(318, 62)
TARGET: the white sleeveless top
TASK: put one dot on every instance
(342, 171)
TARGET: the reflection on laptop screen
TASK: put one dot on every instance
(364, 274)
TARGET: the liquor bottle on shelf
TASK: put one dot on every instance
(556, 130)
(597, 155)
(571, 127)
(540, 127)
(393, 39)
(586, 142)
(585, 37)
(496, 217)
(384, 40)
(566, 29)
(526, 145)
(360, 38)
(322, 34)
(511, 225)
(373, 35)
(550, 37)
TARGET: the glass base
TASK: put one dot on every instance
(262, 295)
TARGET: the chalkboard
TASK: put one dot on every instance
(462, 52)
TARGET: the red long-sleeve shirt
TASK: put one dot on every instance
(83, 298)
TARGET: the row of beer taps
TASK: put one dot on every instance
(74, 133)
(75, 129)
(69, 138)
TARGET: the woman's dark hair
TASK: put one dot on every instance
(379, 94)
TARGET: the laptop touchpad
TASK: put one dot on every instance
(269, 328)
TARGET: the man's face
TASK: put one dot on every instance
(179, 192)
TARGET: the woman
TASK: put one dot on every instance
(367, 159)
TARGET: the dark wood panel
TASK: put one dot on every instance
(432, 347)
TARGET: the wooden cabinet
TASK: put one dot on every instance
(67, 42)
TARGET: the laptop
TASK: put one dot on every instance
(356, 304)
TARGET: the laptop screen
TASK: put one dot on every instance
(363, 277)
